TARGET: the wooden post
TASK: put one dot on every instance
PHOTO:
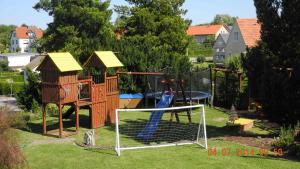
(77, 116)
(44, 119)
(90, 89)
(211, 80)
(240, 81)
(60, 120)
(91, 116)
(226, 87)
(215, 82)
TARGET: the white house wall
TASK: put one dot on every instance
(18, 61)
(223, 30)
(22, 44)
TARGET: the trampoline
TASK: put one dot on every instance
(190, 96)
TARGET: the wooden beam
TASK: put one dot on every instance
(44, 119)
(226, 70)
(60, 121)
(143, 73)
(77, 117)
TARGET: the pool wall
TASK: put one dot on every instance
(130, 101)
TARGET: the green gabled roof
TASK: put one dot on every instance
(64, 61)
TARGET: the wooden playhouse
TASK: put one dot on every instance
(62, 86)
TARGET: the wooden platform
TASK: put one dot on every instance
(82, 103)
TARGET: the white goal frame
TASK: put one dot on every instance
(118, 148)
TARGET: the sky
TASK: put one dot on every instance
(17, 12)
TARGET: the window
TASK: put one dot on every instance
(220, 57)
(217, 50)
(236, 36)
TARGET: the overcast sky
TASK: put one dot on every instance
(199, 11)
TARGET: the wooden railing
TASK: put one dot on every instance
(59, 93)
(98, 92)
(85, 89)
(111, 85)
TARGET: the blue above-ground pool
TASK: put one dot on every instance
(131, 96)
(190, 96)
(130, 100)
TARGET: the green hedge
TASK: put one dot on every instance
(16, 76)
(5, 88)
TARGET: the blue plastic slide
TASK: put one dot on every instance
(155, 117)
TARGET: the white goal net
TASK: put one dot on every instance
(160, 127)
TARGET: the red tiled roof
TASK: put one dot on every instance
(204, 30)
(22, 32)
(250, 30)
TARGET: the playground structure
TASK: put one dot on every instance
(62, 86)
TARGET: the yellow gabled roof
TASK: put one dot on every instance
(109, 59)
(65, 62)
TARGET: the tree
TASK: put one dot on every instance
(278, 89)
(155, 36)
(79, 26)
(5, 34)
(29, 98)
(224, 19)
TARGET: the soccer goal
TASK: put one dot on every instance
(160, 127)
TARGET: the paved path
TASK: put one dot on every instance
(9, 102)
(53, 141)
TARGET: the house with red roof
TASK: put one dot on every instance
(200, 33)
(244, 34)
(23, 37)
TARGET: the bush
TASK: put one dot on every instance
(10, 153)
(234, 63)
(286, 137)
(200, 59)
(52, 109)
(4, 65)
(29, 98)
(15, 76)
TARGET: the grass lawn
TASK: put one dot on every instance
(47, 152)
